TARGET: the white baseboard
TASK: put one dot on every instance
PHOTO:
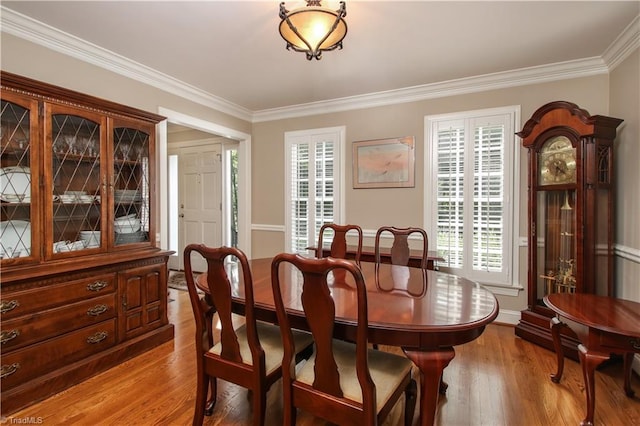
(508, 317)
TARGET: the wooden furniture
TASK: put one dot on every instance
(249, 356)
(369, 255)
(453, 311)
(84, 286)
(571, 211)
(339, 240)
(400, 252)
(604, 325)
(345, 383)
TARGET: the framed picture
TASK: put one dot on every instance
(384, 163)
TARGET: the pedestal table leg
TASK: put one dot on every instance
(431, 365)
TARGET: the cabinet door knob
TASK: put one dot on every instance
(8, 370)
(97, 310)
(7, 336)
(97, 337)
(635, 344)
(8, 306)
(97, 285)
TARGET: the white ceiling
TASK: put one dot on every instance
(233, 51)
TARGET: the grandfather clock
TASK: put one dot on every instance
(571, 211)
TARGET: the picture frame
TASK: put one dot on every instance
(384, 163)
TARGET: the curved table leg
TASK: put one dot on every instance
(589, 361)
(556, 326)
(628, 361)
(431, 365)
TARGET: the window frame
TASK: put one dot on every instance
(510, 115)
(312, 137)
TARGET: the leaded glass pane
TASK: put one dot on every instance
(131, 186)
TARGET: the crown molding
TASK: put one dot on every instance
(39, 33)
(482, 83)
(29, 29)
(626, 43)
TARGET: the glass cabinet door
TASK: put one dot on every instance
(132, 146)
(19, 237)
(78, 185)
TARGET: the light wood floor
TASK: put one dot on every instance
(498, 379)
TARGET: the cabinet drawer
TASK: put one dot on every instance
(14, 304)
(29, 329)
(33, 361)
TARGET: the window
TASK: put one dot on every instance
(313, 179)
(470, 206)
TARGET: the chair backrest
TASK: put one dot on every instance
(319, 309)
(339, 242)
(400, 251)
(220, 290)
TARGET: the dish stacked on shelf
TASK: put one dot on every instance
(15, 238)
(127, 229)
(91, 239)
(127, 224)
(66, 246)
(15, 184)
(77, 197)
(127, 195)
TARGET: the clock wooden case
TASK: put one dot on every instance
(571, 211)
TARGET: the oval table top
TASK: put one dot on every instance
(600, 312)
(408, 307)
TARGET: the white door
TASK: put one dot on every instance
(200, 200)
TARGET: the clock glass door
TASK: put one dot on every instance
(556, 242)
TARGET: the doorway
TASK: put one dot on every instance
(237, 150)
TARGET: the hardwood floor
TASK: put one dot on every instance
(498, 379)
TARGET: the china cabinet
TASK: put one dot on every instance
(84, 286)
(571, 211)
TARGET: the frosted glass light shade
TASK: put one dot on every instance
(313, 29)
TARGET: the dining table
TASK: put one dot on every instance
(424, 312)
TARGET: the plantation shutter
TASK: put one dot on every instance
(471, 184)
(312, 186)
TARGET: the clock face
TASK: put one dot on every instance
(557, 162)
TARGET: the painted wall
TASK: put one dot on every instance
(625, 103)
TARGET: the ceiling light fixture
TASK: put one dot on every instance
(313, 29)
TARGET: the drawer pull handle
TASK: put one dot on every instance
(97, 310)
(97, 337)
(635, 344)
(8, 370)
(8, 306)
(97, 285)
(6, 336)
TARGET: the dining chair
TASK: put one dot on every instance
(249, 355)
(339, 241)
(342, 382)
(400, 251)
